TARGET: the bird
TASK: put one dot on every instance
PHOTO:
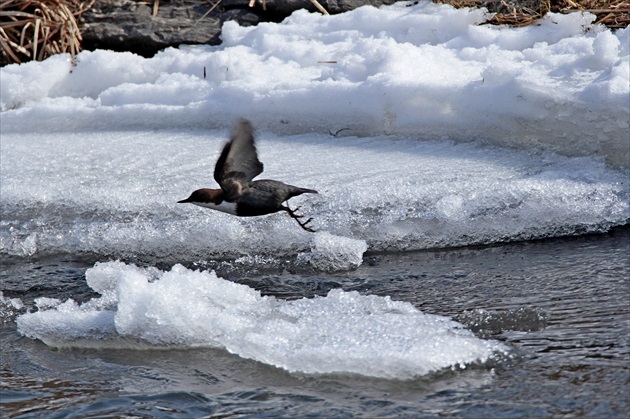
(239, 194)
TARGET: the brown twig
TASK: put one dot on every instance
(214, 6)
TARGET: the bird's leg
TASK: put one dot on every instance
(297, 217)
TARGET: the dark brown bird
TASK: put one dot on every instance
(239, 194)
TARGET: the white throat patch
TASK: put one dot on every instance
(228, 207)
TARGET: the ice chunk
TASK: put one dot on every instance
(330, 252)
(9, 308)
(343, 332)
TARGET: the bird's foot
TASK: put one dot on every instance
(294, 214)
(296, 217)
(305, 226)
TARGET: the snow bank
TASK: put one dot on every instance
(425, 71)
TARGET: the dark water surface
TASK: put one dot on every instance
(562, 305)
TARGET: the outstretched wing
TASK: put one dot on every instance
(239, 160)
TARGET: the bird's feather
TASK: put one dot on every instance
(239, 159)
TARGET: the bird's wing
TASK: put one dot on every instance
(239, 160)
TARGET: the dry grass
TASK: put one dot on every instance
(611, 13)
(36, 29)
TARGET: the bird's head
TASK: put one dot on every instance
(203, 196)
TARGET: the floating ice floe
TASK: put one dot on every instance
(343, 332)
(334, 253)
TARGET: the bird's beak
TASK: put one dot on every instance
(183, 201)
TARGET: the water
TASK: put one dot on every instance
(560, 305)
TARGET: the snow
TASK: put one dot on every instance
(425, 71)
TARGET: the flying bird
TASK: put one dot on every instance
(239, 194)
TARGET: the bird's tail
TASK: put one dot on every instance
(295, 191)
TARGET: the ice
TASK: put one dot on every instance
(114, 194)
(9, 308)
(334, 253)
(343, 332)
(70, 320)
(427, 71)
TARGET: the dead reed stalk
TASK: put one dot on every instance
(36, 29)
(611, 13)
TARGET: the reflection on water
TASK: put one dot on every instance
(562, 305)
